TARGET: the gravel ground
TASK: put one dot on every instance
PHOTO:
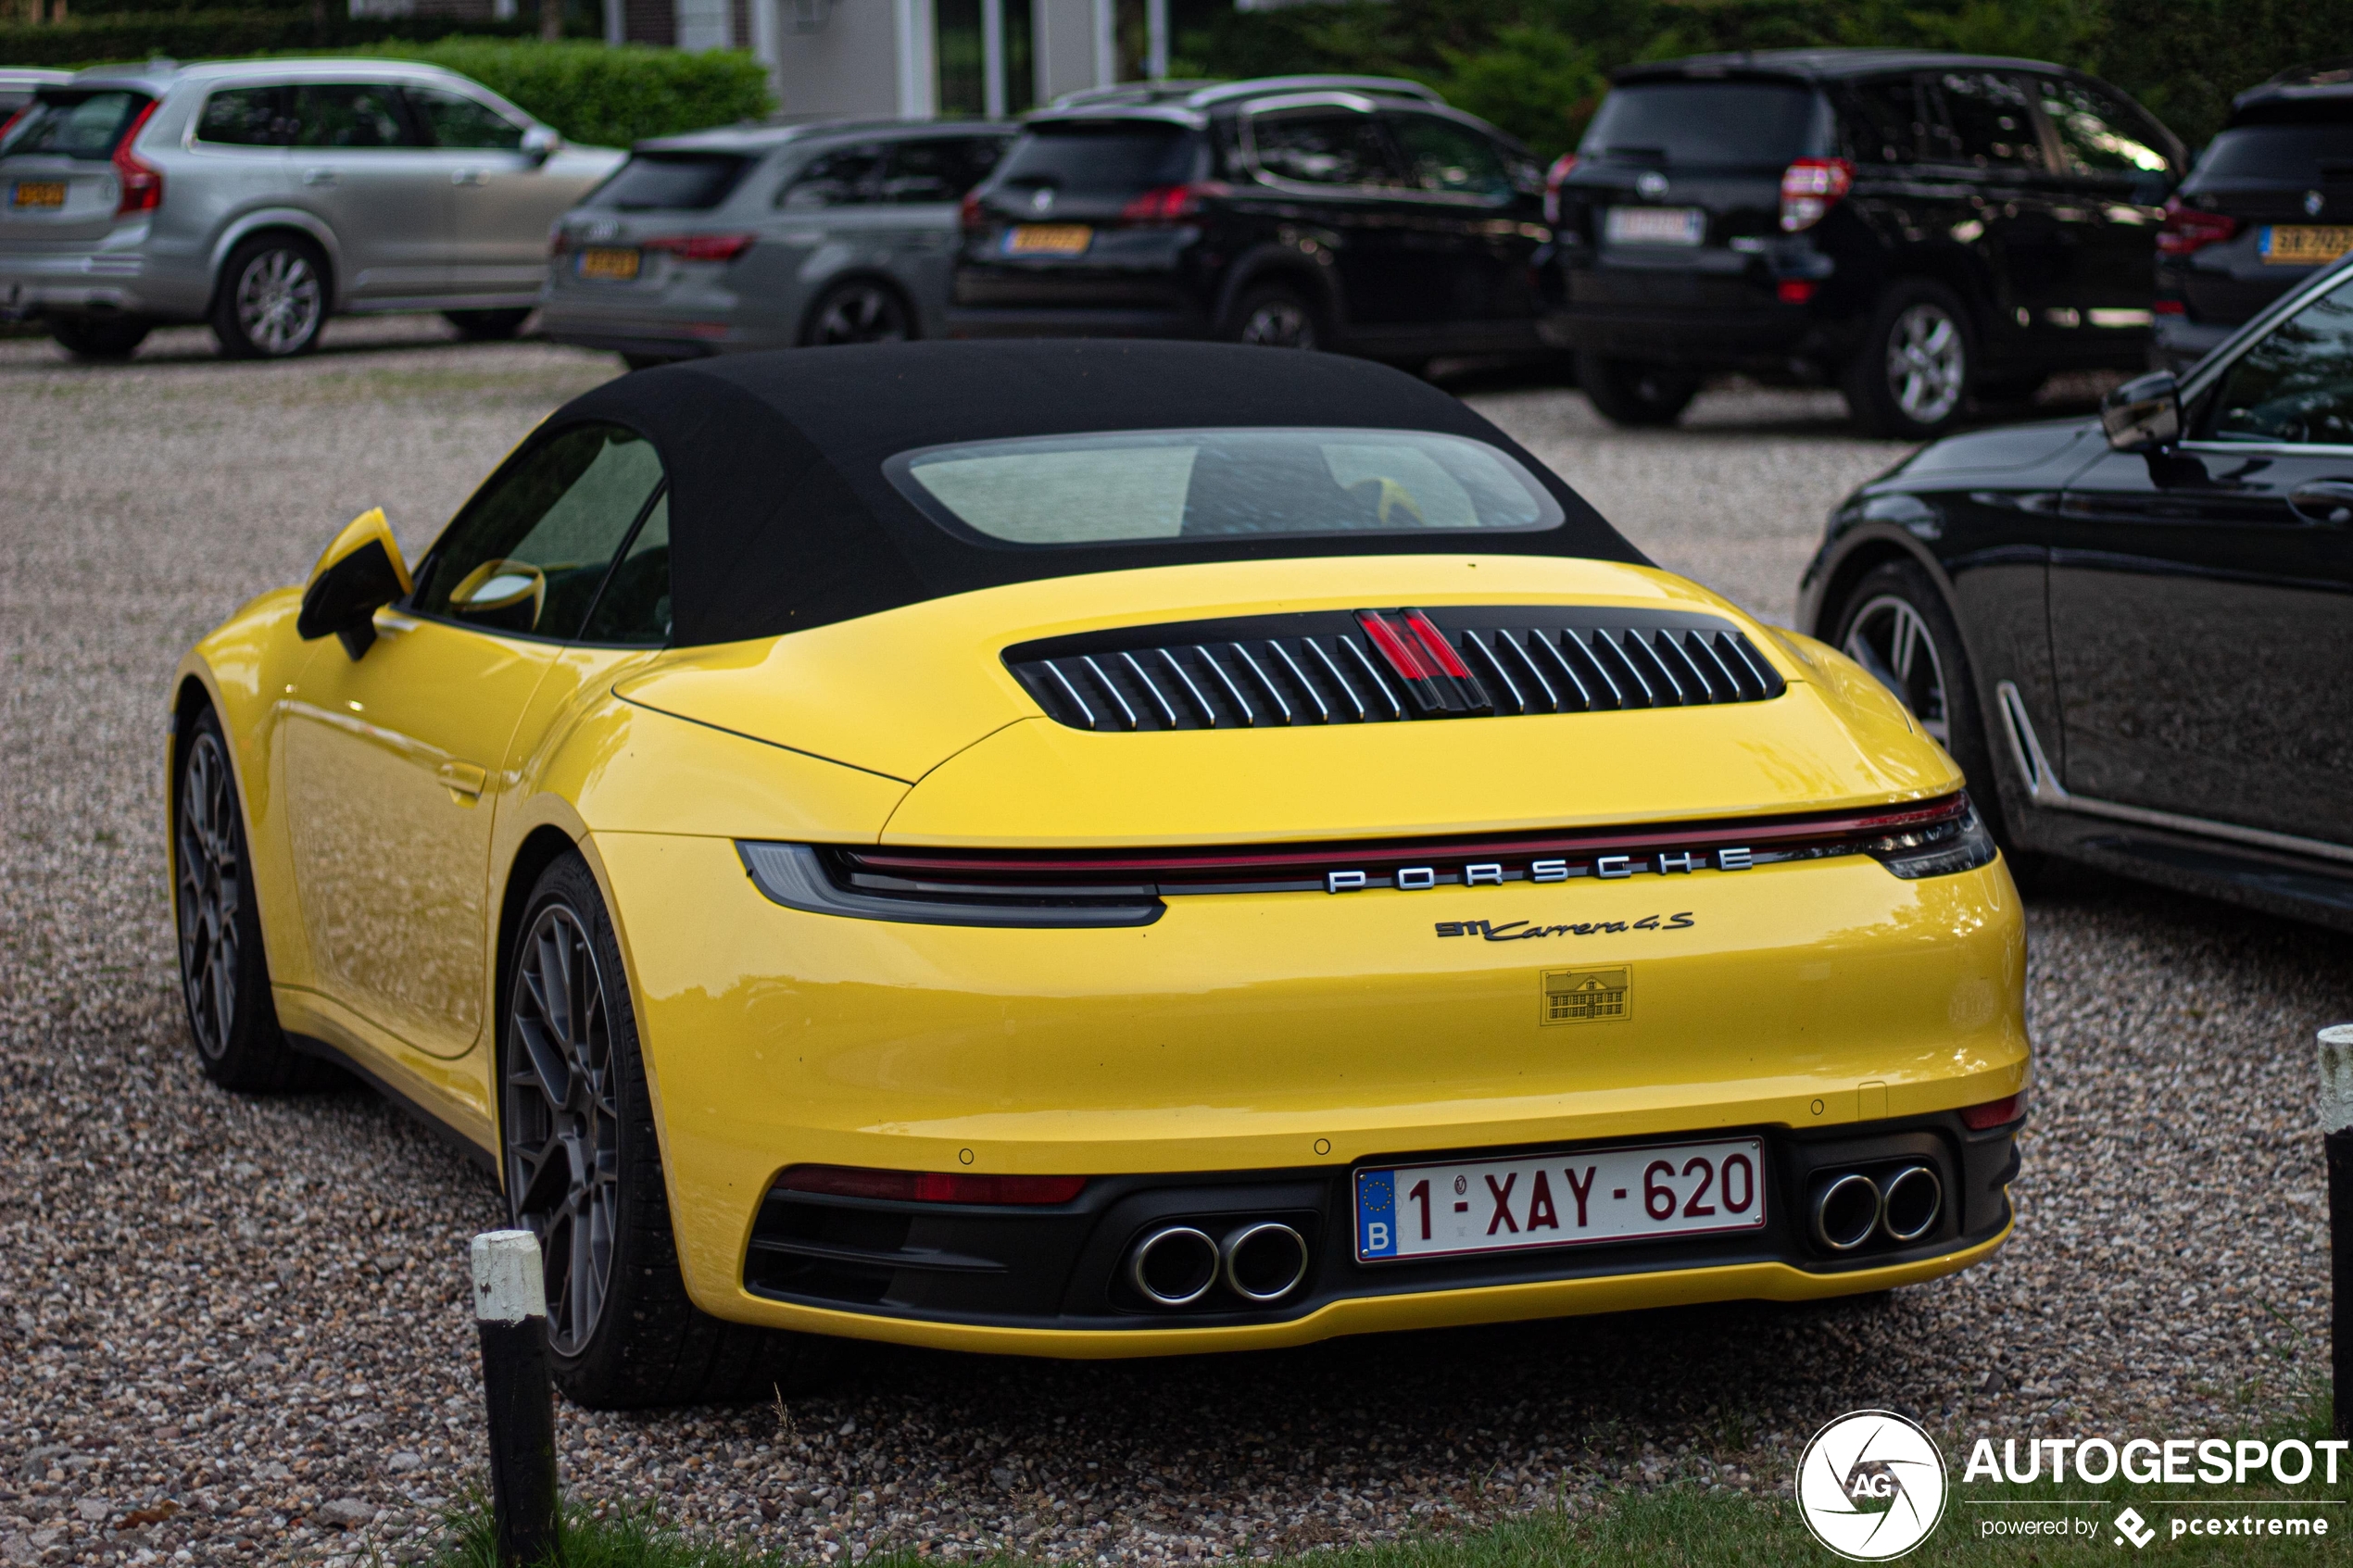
(232, 1329)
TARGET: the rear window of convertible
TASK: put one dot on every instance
(1125, 486)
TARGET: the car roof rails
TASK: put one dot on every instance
(1198, 94)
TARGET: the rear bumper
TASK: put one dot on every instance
(96, 282)
(1770, 338)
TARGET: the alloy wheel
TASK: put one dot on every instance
(1889, 638)
(864, 313)
(1927, 363)
(278, 301)
(563, 1152)
(1278, 323)
(211, 886)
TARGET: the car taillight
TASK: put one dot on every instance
(1553, 178)
(969, 213)
(1996, 1113)
(1810, 187)
(2170, 307)
(1166, 203)
(142, 183)
(2186, 229)
(10, 123)
(930, 1187)
(558, 242)
(701, 248)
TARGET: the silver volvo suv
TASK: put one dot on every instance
(264, 195)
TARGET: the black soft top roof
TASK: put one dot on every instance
(781, 517)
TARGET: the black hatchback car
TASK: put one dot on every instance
(1912, 228)
(2135, 639)
(1353, 213)
(2269, 201)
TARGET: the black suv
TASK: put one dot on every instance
(1913, 227)
(1317, 212)
(2269, 201)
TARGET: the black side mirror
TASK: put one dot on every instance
(358, 574)
(2145, 414)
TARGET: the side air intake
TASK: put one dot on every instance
(1385, 666)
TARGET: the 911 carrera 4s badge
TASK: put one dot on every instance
(1522, 930)
(1587, 995)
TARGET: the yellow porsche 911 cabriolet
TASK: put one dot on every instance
(1094, 849)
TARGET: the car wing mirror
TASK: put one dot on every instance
(356, 575)
(2144, 415)
(540, 144)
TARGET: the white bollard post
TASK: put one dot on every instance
(510, 1314)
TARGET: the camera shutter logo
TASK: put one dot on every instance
(1871, 1486)
(1587, 995)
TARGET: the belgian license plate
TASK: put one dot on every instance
(38, 194)
(1048, 239)
(611, 266)
(2303, 246)
(1654, 226)
(1559, 1199)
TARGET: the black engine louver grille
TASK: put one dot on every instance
(1386, 666)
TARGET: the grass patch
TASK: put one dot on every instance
(1671, 1527)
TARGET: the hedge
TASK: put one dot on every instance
(188, 35)
(592, 94)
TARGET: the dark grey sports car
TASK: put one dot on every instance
(2135, 632)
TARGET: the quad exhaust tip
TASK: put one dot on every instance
(1175, 1266)
(1851, 1208)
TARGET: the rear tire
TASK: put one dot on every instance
(1626, 391)
(1896, 625)
(1275, 316)
(582, 1169)
(272, 297)
(860, 311)
(487, 326)
(1910, 379)
(99, 337)
(225, 975)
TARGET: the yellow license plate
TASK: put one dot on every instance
(39, 193)
(613, 265)
(1048, 239)
(2299, 246)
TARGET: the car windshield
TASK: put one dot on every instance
(1702, 122)
(2292, 155)
(74, 124)
(1100, 156)
(1129, 485)
(670, 182)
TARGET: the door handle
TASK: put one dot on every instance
(2323, 500)
(468, 177)
(317, 175)
(464, 781)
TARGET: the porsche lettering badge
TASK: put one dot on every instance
(1495, 873)
(1587, 995)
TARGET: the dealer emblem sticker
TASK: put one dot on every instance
(1871, 1486)
(1588, 996)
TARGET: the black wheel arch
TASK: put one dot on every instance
(1854, 557)
(541, 848)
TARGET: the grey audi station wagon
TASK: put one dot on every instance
(264, 195)
(769, 236)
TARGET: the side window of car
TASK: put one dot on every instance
(1882, 120)
(2100, 134)
(2296, 384)
(938, 169)
(634, 609)
(453, 119)
(529, 552)
(1335, 147)
(1449, 159)
(353, 115)
(248, 117)
(1986, 122)
(843, 178)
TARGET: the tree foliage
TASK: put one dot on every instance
(1538, 68)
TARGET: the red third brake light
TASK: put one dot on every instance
(930, 1187)
(1166, 203)
(701, 248)
(1561, 167)
(1810, 187)
(1435, 645)
(2186, 229)
(141, 183)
